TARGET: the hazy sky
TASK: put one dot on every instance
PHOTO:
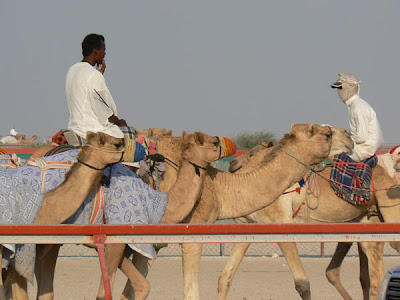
(221, 67)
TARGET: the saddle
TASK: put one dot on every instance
(351, 180)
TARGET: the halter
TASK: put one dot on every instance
(106, 180)
(87, 165)
(196, 167)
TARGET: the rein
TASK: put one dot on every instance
(196, 167)
(87, 165)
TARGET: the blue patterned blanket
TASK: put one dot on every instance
(128, 201)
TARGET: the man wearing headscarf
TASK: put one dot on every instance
(364, 125)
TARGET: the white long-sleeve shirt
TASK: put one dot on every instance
(364, 128)
(89, 101)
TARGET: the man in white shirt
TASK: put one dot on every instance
(90, 103)
(364, 126)
(13, 132)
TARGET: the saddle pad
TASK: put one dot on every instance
(351, 180)
(60, 149)
(149, 143)
(128, 200)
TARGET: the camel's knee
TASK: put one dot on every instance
(302, 287)
(142, 289)
(332, 275)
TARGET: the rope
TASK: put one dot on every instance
(46, 165)
(13, 161)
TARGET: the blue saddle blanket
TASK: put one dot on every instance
(128, 201)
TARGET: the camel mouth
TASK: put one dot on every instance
(337, 85)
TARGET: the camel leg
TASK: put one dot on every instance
(113, 255)
(143, 265)
(374, 253)
(16, 285)
(226, 277)
(302, 284)
(44, 270)
(364, 273)
(140, 284)
(191, 255)
(333, 270)
(2, 291)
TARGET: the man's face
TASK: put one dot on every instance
(100, 54)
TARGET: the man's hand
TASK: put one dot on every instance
(119, 122)
(122, 122)
(101, 68)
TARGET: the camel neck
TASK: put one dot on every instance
(244, 193)
(184, 194)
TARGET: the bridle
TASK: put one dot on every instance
(105, 179)
(160, 158)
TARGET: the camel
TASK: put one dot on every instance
(228, 195)
(198, 151)
(154, 132)
(19, 140)
(329, 207)
(100, 151)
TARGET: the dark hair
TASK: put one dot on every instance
(90, 42)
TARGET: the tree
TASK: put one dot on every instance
(247, 141)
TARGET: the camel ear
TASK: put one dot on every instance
(151, 132)
(199, 137)
(90, 135)
(102, 138)
(294, 127)
(185, 135)
(169, 132)
(311, 129)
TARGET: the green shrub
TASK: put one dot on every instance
(247, 141)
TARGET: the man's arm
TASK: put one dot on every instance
(115, 120)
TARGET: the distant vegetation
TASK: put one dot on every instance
(247, 140)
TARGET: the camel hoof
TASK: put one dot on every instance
(303, 288)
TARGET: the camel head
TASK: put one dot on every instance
(239, 161)
(202, 149)
(347, 86)
(101, 149)
(311, 139)
(341, 141)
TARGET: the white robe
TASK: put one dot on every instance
(89, 101)
(364, 128)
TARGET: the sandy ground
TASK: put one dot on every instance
(259, 278)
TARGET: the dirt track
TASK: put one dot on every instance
(257, 278)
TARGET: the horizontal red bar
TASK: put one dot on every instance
(19, 150)
(185, 229)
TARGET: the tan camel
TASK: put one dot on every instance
(198, 151)
(20, 139)
(154, 132)
(100, 151)
(232, 195)
(329, 207)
